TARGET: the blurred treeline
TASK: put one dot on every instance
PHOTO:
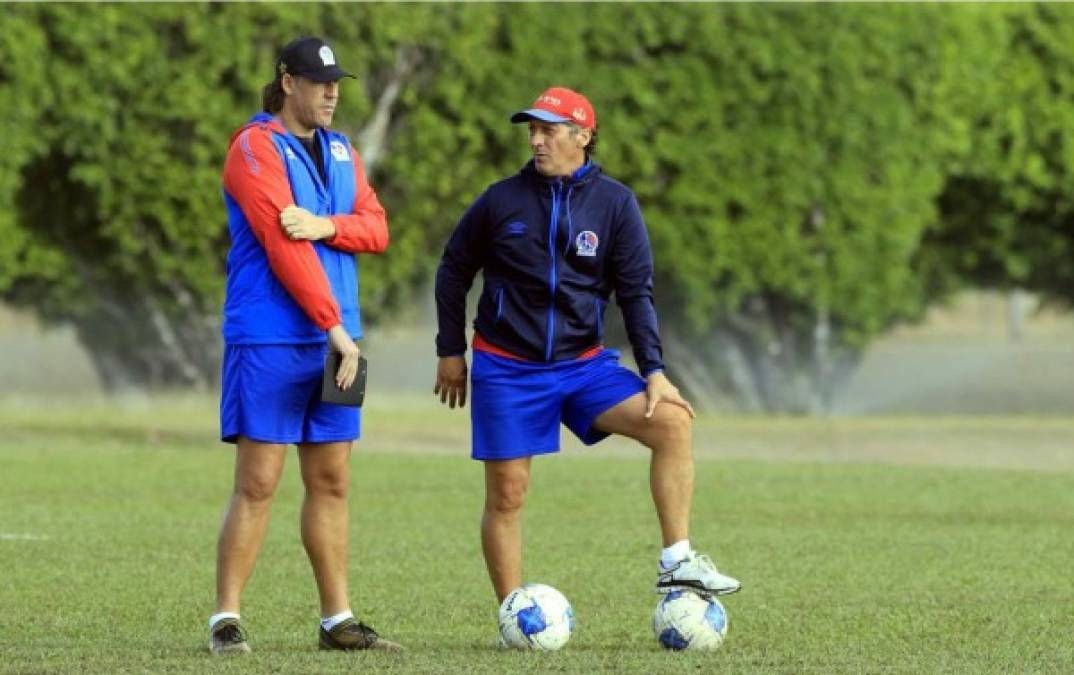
(811, 174)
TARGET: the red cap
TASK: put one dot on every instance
(559, 104)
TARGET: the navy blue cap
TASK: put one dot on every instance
(311, 58)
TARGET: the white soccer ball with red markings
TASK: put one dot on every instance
(685, 620)
(536, 617)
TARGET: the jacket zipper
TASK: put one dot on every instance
(552, 227)
(570, 225)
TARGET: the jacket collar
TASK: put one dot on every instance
(269, 122)
(587, 173)
(262, 120)
(272, 123)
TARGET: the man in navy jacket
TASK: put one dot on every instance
(555, 242)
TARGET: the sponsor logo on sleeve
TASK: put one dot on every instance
(248, 153)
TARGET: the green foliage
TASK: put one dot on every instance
(136, 103)
(1008, 208)
(775, 153)
(806, 170)
(22, 42)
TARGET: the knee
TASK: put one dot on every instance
(672, 427)
(334, 484)
(507, 494)
(256, 488)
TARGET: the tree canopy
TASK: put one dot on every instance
(810, 174)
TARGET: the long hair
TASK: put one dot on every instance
(272, 96)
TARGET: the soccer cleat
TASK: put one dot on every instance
(695, 573)
(350, 635)
(227, 637)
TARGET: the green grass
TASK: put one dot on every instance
(848, 566)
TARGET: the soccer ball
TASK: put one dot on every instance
(685, 620)
(536, 616)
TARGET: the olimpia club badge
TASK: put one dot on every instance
(586, 243)
(339, 151)
(327, 57)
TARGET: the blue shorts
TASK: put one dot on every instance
(516, 406)
(271, 393)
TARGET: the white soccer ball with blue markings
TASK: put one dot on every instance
(685, 620)
(537, 617)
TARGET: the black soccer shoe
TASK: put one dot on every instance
(351, 635)
(226, 637)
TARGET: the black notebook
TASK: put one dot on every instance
(330, 393)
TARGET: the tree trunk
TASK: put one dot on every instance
(764, 358)
(373, 138)
(135, 343)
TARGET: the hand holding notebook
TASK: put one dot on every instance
(330, 391)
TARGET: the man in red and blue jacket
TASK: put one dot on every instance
(299, 208)
(555, 242)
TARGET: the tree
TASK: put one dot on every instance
(120, 119)
(788, 159)
(811, 174)
(1008, 207)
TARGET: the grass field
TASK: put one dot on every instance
(944, 545)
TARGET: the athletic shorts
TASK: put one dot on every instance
(271, 393)
(516, 407)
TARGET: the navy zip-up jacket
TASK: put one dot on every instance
(553, 250)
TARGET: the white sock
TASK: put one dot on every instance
(221, 615)
(330, 622)
(674, 553)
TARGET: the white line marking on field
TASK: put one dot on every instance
(16, 536)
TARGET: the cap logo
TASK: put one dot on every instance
(578, 114)
(327, 57)
(551, 100)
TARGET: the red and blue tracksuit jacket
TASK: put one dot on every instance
(552, 252)
(281, 291)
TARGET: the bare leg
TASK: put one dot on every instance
(257, 472)
(326, 475)
(506, 483)
(668, 433)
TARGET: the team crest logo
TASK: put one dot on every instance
(327, 57)
(339, 151)
(586, 242)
